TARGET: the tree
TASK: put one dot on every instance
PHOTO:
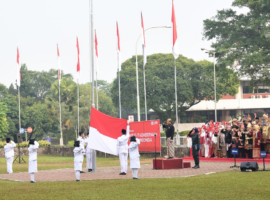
(3, 120)
(243, 38)
(37, 84)
(194, 83)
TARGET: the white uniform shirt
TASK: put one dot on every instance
(33, 151)
(82, 141)
(9, 149)
(78, 154)
(122, 143)
(134, 149)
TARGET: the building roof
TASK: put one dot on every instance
(232, 104)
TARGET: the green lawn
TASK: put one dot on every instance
(224, 185)
(59, 162)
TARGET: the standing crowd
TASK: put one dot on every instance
(249, 136)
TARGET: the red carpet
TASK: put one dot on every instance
(238, 160)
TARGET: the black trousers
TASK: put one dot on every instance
(195, 154)
(229, 152)
(262, 147)
(249, 153)
(242, 151)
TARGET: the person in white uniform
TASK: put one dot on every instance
(88, 153)
(134, 156)
(78, 159)
(122, 150)
(82, 143)
(33, 147)
(9, 154)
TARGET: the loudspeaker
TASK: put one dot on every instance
(17, 138)
(249, 165)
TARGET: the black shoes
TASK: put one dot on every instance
(82, 172)
(196, 167)
(135, 178)
(89, 170)
(33, 182)
(78, 180)
(123, 173)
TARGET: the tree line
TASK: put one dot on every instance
(40, 101)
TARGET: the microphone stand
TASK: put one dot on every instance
(155, 151)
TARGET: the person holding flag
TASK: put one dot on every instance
(9, 154)
(122, 149)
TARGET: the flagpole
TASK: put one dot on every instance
(137, 82)
(94, 161)
(19, 109)
(144, 85)
(119, 92)
(61, 139)
(176, 106)
(78, 99)
(97, 89)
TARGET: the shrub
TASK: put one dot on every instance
(71, 143)
(42, 143)
(182, 133)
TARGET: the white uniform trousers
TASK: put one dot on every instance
(88, 154)
(9, 164)
(206, 146)
(123, 161)
(135, 172)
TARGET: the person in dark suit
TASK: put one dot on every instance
(195, 146)
(169, 138)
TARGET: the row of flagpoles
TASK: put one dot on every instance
(175, 52)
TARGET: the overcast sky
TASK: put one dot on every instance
(37, 26)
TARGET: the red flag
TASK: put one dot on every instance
(175, 49)
(59, 64)
(104, 131)
(78, 62)
(96, 49)
(118, 47)
(143, 43)
(18, 68)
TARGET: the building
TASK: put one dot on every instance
(250, 99)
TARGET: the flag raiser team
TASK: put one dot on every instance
(249, 136)
(79, 151)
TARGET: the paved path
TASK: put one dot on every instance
(113, 173)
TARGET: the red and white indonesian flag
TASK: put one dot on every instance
(143, 43)
(175, 49)
(59, 64)
(104, 131)
(118, 48)
(78, 61)
(96, 50)
(18, 68)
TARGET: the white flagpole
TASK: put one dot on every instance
(78, 99)
(97, 89)
(94, 161)
(61, 139)
(176, 106)
(19, 109)
(119, 93)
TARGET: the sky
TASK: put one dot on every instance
(36, 27)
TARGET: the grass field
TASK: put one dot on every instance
(224, 185)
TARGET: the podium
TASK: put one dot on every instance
(174, 163)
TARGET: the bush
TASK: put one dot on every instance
(42, 143)
(71, 143)
(182, 133)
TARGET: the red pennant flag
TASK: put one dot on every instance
(143, 43)
(175, 49)
(59, 64)
(96, 49)
(118, 47)
(78, 61)
(18, 68)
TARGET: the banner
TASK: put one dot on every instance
(145, 131)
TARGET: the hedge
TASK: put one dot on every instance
(182, 133)
(42, 143)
